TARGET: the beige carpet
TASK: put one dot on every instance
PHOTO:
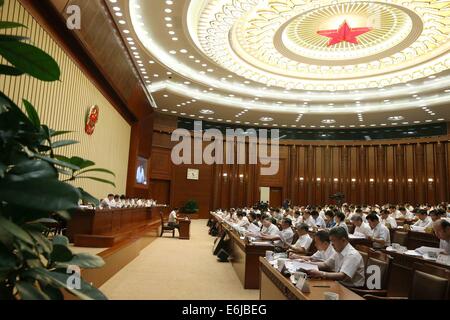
(173, 269)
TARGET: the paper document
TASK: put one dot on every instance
(261, 243)
(417, 229)
(357, 236)
(253, 228)
(424, 250)
(295, 265)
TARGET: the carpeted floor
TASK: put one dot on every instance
(173, 269)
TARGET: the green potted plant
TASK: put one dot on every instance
(190, 207)
(34, 187)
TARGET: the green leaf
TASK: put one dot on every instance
(40, 194)
(30, 60)
(32, 114)
(12, 38)
(77, 161)
(28, 291)
(60, 280)
(58, 133)
(63, 143)
(2, 2)
(88, 198)
(84, 261)
(57, 162)
(8, 261)
(32, 169)
(2, 170)
(9, 25)
(63, 214)
(10, 71)
(97, 170)
(14, 230)
(61, 240)
(55, 294)
(98, 180)
(61, 253)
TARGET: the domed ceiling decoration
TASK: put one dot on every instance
(296, 62)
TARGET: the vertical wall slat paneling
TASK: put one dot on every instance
(63, 104)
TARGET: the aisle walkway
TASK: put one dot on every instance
(173, 269)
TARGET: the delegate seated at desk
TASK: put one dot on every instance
(381, 236)
(283, 239)
(442, 231)
(361, 228)
(269, 229)
(173, 218)
(424, 220)
(304, 240)
(346, 265)
(324, 248)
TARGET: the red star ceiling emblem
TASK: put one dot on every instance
(344, 33)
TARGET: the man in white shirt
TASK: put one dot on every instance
(269, 229)
(339, 218)
(388, 220)
(381, 236)
(324, 248)
(284, 238)
(304, 240)
(242, 220)
(320, 223)
(361, 228)
(173, 218)
(424, 220)
(408, 215)
(307, 219)
(442, 230)
(346, 265)
(108, 203)
(394, 213)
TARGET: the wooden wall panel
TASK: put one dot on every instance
(366, 174)
(161, 164)
(62, 105)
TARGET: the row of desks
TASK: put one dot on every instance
(247, 260)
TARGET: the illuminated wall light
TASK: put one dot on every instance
(319, 179)
(336, 179)
(410, 180)
(372, 180)
(225, 175)
(302, 179)
(390, 180)
(430, 180)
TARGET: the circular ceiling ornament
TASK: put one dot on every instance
(277, 42)
(375, 31)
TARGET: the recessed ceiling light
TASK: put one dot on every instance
(266, 119)
(396, 118)
(328, 121)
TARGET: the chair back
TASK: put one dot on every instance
(429, 283)
(400, 237)
(161, 215)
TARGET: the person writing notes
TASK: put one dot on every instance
(284, 238)
(442, 230)
(269, 229)
(361, 228)
(381, 236)
(339, 218)
(388, 219)
(324, 248)
(304, 240)
(242, 220)
(346, 265)
(424, 220)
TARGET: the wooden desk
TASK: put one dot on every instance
(244, 257)
(402, 272)
(97, 228)
(184, 229)
(274, 286)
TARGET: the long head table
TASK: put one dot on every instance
(98, 228)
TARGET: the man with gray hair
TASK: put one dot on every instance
(442, 230)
